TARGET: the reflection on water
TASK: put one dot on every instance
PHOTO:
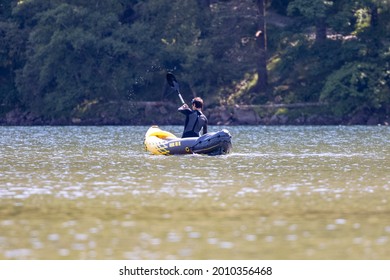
(284, 193)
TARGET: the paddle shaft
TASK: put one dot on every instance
(181, 98)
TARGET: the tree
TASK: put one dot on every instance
(235, 50)
(358, 86)
(75, 56)
(315, 11)
(261, 38)
(12, 48)
(172, 36)
(363, 83)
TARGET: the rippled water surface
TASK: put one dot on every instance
(284, 193)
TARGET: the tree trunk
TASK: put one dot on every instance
(375, 37)
(261, 39)
(374, 15)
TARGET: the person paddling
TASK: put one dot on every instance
(195, 119)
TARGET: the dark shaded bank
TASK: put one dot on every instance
(165, 113)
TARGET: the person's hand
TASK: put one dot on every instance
(184, 106)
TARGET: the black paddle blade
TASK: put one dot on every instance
(172, 81)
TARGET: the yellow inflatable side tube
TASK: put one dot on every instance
(162, 134)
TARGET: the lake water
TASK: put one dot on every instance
(284, 193)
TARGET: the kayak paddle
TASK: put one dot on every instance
(175, 85)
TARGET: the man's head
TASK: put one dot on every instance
(197, 102)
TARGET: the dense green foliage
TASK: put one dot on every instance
(59, 57)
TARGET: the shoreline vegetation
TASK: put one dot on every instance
(165, 113)
(293, 62)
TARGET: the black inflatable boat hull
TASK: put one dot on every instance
(160, 142)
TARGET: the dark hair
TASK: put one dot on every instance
(198, 102)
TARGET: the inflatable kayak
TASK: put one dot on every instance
(160, 142)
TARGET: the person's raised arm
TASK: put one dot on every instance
(184, 109)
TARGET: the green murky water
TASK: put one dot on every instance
(284, 193)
